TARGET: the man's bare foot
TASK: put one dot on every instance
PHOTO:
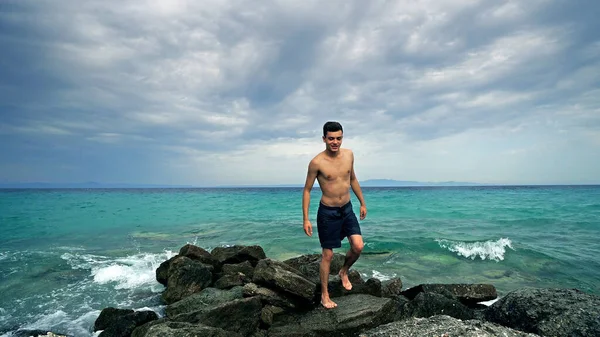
(327, 303)
(345, 281)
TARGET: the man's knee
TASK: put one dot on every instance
(357, 247)
(327, 255)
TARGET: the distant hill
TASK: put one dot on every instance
(394, 183)
(365, 183)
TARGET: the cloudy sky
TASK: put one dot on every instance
(236, 92)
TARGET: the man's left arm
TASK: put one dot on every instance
(358, 192)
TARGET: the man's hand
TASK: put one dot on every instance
(307, 228)
(363, 212)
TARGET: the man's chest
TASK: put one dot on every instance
(335, 170)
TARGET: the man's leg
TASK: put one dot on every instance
(356, 247)
(324, 275)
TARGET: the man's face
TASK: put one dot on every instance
(333, 140)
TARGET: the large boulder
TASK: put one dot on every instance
(469, 294)
(443, 326)
(391, 288)
(548, 312)
(162, 272)
(121, 322)
(282, 277)
(199, 254)
(204, 299)
(186, 277)
(353, 314)
(238, 254)
(276, 298)
(165, 328)
(309, 265)
(241, 316)
(432, 304)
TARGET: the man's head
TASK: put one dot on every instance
(332, 136)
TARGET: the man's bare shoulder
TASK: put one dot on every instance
(316, 160)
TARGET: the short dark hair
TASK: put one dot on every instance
(332, 127)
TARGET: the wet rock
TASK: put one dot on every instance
(273, 297)
(469, 294)
(206, 298)
(353, 314)
(442, 326)
(278, 275)
(199, 254)
(186, 277)
(391, 288)
(309, 265)
(238, 254)
(241, 316)
(165, 328)
(121, 322)
(162, 272)
(548, 312)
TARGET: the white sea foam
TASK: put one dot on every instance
(127, 273)
(492, 250)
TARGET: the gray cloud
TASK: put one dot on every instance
(181, 89)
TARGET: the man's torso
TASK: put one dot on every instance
(334, 178)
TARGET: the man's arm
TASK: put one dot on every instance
(357, 191)
(313, 170)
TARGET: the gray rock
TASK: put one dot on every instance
(199, 254)
(281, 276)
(469, 294)
(162, 272)
(240, 316)
(186, 277)
(245, 268)
(442, 326)
(391, 288)
(269, 313)
(431, 304)
(309, 265)
(353, 314)
(36, 333)
(121, 322)
(228, 281)
(548, 312)
(336, 289)
(272, 297)
(238, 254)
(165, 328)
(204, 299)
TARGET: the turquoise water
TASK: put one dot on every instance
(67, 254)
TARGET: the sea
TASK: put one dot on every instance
(65, 254)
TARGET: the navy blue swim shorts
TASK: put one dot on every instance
(336, 223)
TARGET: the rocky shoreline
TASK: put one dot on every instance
(238, 291)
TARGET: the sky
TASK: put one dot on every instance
(211, 93)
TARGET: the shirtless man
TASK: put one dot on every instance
(334, 169)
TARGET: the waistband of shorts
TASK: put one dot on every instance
(321, 205)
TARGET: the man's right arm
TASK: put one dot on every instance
(313, 170)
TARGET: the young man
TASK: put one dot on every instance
(334, 169)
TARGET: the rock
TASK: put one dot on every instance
(121, 322)
(336, 289)
(548, 312)
(199, 254)
(231, 280)
(165, 328)
(245, 268)
(353, 314)
(431, 304)
(279, 275)
(241, 316)
(469, 294)
(268, 313)
(372, 287)
(442, 326)
(162, 272)
(272, 297)
(309, 265)
(206, 298)
(186, 277)
(237, 254)
(391, 288)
